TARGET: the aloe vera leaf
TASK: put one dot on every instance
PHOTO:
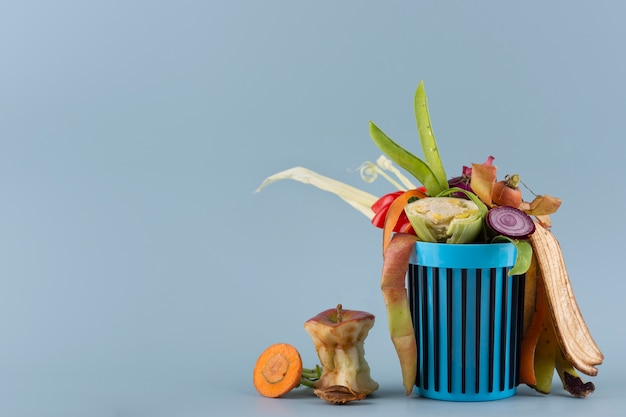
(427, 137)
(405, 159)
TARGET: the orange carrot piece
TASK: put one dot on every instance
(530, 339)
(506, 192)
(278, 370)
(395, 210)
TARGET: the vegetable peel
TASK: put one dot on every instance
(393, 285)
(360, 200)
(482, 180)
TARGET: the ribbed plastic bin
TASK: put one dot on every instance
(467, 314)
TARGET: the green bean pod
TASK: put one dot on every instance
(405, 159)
(427, 137)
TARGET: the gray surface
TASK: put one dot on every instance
(141, 276)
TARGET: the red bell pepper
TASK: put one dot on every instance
(381, 207)
(400, 222)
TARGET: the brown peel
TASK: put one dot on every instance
(574, 337)
(577, 387)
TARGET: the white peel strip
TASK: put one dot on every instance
(360, 200)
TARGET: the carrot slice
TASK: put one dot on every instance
(531, 337)
(278, 370)
(395, 211)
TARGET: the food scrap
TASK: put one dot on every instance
(474, 207)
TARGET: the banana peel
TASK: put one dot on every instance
(578, 346)
(545, 351)
(572, 382)
(556, 335)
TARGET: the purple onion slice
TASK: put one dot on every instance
(510, 222)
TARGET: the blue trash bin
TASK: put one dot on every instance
(467, 314)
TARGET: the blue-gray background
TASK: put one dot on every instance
(141, 275)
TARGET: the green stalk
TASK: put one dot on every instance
(427, 138)
(309, 376)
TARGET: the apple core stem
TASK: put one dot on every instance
(339, 313)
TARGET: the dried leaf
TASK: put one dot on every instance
(543, 205)
(544, 220)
